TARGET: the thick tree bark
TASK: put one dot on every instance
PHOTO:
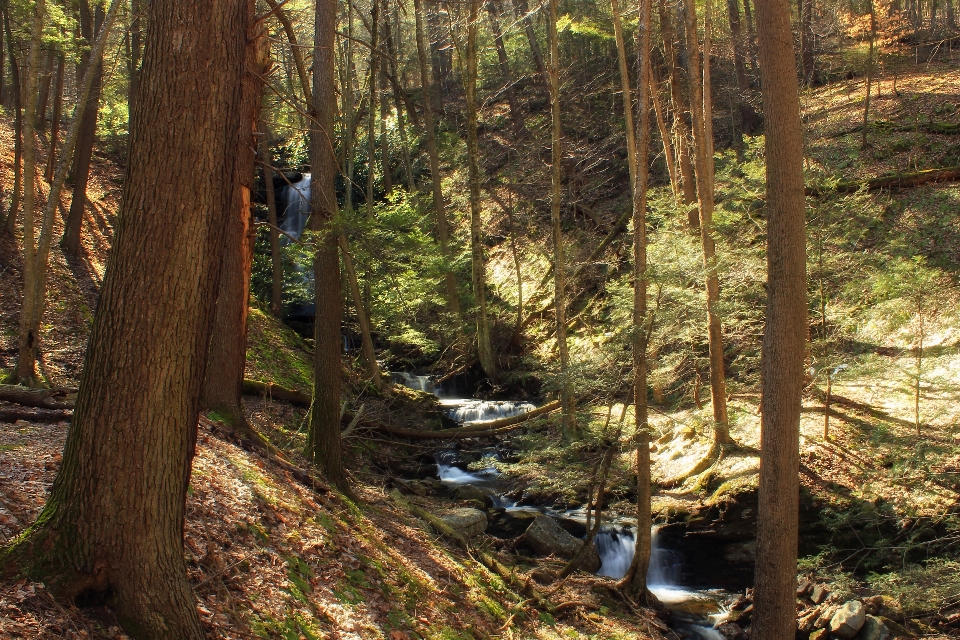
(113, 524)
(226, 357)
(57, 116)
(568, 423)
(522, 10)
(439, 207)
(323, 443)
(276, 261)
(89, 27)
(680, 109)
(516, 115)
(700, 104)
(784, 332)
(637, 574)
(484, 347)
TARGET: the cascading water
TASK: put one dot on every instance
(419, 383)
(615, 546)
(449, 470)
(296, 209)
(485, 410)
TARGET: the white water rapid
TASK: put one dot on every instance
(419, 383)
(485, 410)
(295, 200)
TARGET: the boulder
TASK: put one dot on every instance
(467, 522)
(546, 537)
(732, 631)
(819, 593)
(848, 620)
(807, 622)
(826, 614)
(873, 629)
(475, 494)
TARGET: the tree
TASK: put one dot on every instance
(515, 114)
(276, 262)
(323, 443)
(57, 115)
(90, 25)
(702, 118)
(439, 209)
(11, 221)
(784, 333)
(226, 358)
(567, 401)
(113, 525)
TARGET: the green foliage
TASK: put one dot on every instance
(921, 588)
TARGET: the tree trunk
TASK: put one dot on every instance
(136, 56)
(916, 382)
(276, 262)
(736, 36)
(807, 41)
(515, 114)
(680, 110)
(372, 113)
(636, 576)
(484, 347)
(369, 353)
(113, 525)
(227, 355)
(45, 82)
(400, 96)
(785, 331)
(57, 116)
(522, 9)
(703, 144)
(568, 423)
(385, 113)
(89, 27)
(668, 156)
(751, 37)
(323, 441)
(11, 222)
(439, 208)
(870, 54)
(441, 56)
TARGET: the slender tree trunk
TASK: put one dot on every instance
(369, 353)
(807, 41)
(785, 331)
(385, 112)
(136, 55)
(668, 156)
(824, 328)
(680, 109)
(372, 113)
(752, 37)
(11, 222)
(57, 116)
(26, 372)
(567, 401)
(324, 447)
(439, 65)
(522, 10)
(46, 79)
(703, 143)
(399, 96)
(518, 326)
(114, 521)
(515, 114)
(484, 347)
(276, 260)
(736, 36)
(227, 354)
(919, 359)
(439, 208)
(348, 116)
(89, 26)
(637, 574)
(870, 54)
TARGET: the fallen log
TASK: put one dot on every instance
(43, 398)
(38, 415)
(893, 183)
(268, 389)
(938, 128)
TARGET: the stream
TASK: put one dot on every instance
(672, 577)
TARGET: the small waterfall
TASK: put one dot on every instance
(295, 200)
(485, 410)
(449, 471)
(615, 546)
(420, 383)
(663, 563)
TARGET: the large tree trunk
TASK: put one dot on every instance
(323, 443)
(484, 347)
(680, 108)
(522, 10)
(439, 208)
(113, 525)
(699, 80)
(227, 356)
(784, 332)
(88, 133)
(636, 577)
(57, 116)
(568, 423)
(515, 114)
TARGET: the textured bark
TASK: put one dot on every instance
(484, 347)
(784, 332)
(699, 80)
(323, 443)
(26, 372)
(46, 79)
(568, 423)
(136, 55)
(89, 27)
(226, 358)
(522, 10)
(114, 522)
(276, 261)
(439, 208)
(11, 221)
(57, 116)
(680, 109)
(516, 115)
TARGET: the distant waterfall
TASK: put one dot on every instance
(295, 200)
(483, 410)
